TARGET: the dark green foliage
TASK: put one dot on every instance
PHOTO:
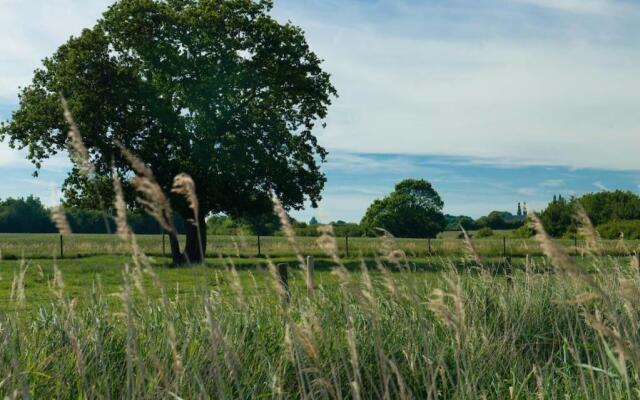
(24, 215)
(313, 221)
(413, 209)
(557, 218)
(454, 222)
(483, 233)
(629, 229)
(499, 220)
(524, 232)
(340, 229)
(264, 225)
(28, 215)
(603, 207)
(215, 88)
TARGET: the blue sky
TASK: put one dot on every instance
(494, 101)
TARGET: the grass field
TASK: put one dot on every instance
(30, 246)
(102, 324)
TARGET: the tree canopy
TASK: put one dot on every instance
(215, 88)
(413, 209)
(606, 210)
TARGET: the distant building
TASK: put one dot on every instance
(521, 214)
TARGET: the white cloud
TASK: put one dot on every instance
(566, 93)
(552, 183)
(567, 98)
(31, 30)
(599, 7)
(600, 185)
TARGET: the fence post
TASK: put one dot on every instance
(346, 242)
(61, 247)
(163, 246)
(259, 249)
(283, 275)
(575, 244)
(429, 241)
(310, 268)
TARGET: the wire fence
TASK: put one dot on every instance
(39, 246)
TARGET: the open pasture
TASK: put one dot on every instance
(30, 246)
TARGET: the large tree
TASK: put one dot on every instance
(413, 209)
(215, 88)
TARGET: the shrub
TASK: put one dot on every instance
(484, 232)
(612, 230)
(524, 232)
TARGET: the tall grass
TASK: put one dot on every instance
(376, 334)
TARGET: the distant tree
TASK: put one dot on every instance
(24, 215)
(603, 207)
(313, 221)
(499, 220)
(263, 225)
(218, 89)
(454, 223)
(557, 218)
(413, 209)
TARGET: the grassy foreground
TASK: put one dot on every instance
(93, 328)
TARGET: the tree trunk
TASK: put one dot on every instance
(176, 255)
(196, 246)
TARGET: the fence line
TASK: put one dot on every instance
(78, 245)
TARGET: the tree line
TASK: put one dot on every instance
(29, 215)
(413, 209)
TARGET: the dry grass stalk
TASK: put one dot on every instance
(59, 219)
(122, 226)
(392, 251)
(155, 202)
(183, 184)
(153, 198)
(277, 282)
(127, 235)
(285, 222)
(327, 243)
(556, 254)
(470, 249)
(587, 230)
(77, 150)
(137, 164)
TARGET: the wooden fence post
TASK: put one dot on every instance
(575, 244)
(163, 246)
(61, 247)
(310, 268)
(283, 275)
(259, 249)
(429, 241)
(346, 242)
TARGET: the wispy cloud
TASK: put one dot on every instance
(597, 7)
(600, 185)
(552, 183)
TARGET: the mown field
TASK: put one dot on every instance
(100, 323)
